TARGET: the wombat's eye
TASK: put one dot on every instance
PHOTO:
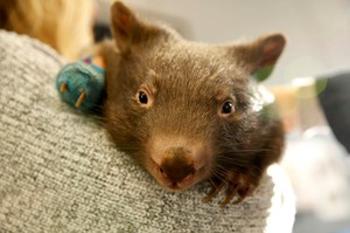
(143, 98)
(227, 108)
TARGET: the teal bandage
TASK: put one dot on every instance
(81, 84)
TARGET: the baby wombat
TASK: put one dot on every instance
(189, 111)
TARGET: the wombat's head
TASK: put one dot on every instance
(177, 105)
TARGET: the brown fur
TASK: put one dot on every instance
(182, 137)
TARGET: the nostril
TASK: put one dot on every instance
(193, 172)
(163, 173)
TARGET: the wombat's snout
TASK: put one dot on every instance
(177, 163)
(177, 166)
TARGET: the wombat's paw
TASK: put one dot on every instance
(237, 185)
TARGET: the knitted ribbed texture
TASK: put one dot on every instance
(60, 173)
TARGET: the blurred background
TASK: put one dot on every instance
(318, 32)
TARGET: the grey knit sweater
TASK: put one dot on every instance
(60, 173)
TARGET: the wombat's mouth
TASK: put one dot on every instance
(180, 186)
(186, 183)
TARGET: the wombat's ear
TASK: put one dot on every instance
(127, 29)
(260, 56)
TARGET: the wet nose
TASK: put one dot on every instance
(177, 165)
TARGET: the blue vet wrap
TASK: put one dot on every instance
(81, 77)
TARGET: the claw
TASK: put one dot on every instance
(63, 87)
(243, 193)
(80, 99)
(230, 193)
(239, 200)
(213, 192)
(237, 184)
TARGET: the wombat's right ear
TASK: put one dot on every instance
(260, 56)
(127, 29)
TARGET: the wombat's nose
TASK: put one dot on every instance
(178, 166)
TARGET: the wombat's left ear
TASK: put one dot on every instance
(128, 29)
(260, 56)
